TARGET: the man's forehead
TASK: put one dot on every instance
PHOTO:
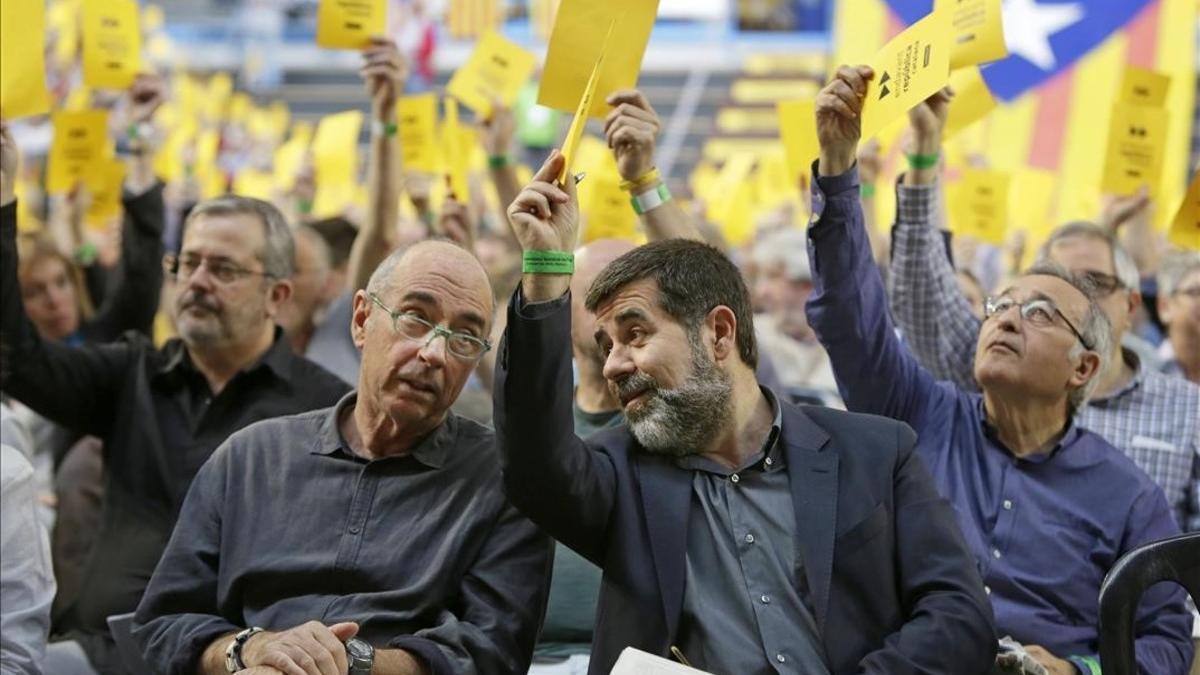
(1059, 290)
(233, 231)
(1083, 253)
(452, 289)
(637, 295)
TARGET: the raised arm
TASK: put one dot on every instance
(75, 387)
(497, 136)
(549, 474)
(931, 311)
(632, 129)
(384, 72)
(848, 306)
(132, 301)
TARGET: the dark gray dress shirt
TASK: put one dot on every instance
(286, 525)
(742, 611)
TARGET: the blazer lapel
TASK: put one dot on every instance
(666, 499)
(813, 475)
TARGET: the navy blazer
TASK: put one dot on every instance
(889, 578)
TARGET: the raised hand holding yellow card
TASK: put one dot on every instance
(979, 207)
(416, 119)
(798, 130)
(1137, 138)
(22, 59)
(1140, 86)
(350, 24)
(1185, 228)
(112, 43)
(79, 145)
(456, 153)
(909, 69)
(576, 44)
(978, 28)
(497, 69)
(575, 133)
(972, 100)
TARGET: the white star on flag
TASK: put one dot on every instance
(1029, 25)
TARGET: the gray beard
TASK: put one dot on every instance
(681, 421)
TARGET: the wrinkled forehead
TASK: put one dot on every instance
(456, 290)
(1070, 300)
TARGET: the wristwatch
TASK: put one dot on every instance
(360, 655)
(233, 653)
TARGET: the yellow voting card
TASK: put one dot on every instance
(416, 119)
(1137, 138)
(253, 183)
(909, 69)
(350, 24)
(576, 44)
(575, 132)
(1140, 86)
(22, 59)
(607, 209)
(335, 148)
(979, 207)
(978, 29)
(80, 142)
(1185, 228)
(104, 185)
(497, 69)
(288, 160)
(112, 43)
(457, 152)
(972, 100)
(798, 131)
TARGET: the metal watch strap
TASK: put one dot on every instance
(233, 653)
(361, 657)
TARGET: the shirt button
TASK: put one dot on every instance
(770, 462)
(987, 589)
(781, 658)
(354, 529)
(766, 599)
(749, 539)
(735, 478)
(1007, 505)
(996, 553)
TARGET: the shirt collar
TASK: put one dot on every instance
(278, 358)
(770, 449)
(431, 451)
(1139, 374)
(1067, 440)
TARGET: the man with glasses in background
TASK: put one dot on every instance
(372, 537)
(1046, 506)
(1151, 417)
(160, 412)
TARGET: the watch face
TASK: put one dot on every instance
(357, 649)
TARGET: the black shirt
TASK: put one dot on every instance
(157, 428)
(285, 524)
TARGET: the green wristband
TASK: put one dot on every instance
(86, 253)
(866, 190)
(498, 161)
(548, 262)
(919, 162)
(1091, 663)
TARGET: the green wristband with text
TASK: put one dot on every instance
(919, 162)
(548, 262)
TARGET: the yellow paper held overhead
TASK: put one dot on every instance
(978, 29)
(1140, 86)
(1137, 138)
(22, 59)
(609, 215)
(416, 120)
(497, 69)
(112, 43)
(798, 130)
(577, 42)
(1185, 228)
(335, 148)
(350, 24)
(575, 132)
(972, 100)
(456, 152)
(80, 142)
(909, 69)
(979, 207)
(104, 184)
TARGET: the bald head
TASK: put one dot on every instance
(590, 260)
(441, 260)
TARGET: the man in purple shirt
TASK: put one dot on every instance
(1046, 507)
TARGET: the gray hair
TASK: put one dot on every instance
(1124, 267)
(789, 247)
(1175, 269)
(1096, 329)
(279, 250)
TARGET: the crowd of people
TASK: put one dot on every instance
(446, 438)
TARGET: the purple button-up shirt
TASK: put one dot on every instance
(1044, 529)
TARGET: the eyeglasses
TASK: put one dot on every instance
(463, 345)
(1105, 284)
(1037, 312)
(225, 272)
